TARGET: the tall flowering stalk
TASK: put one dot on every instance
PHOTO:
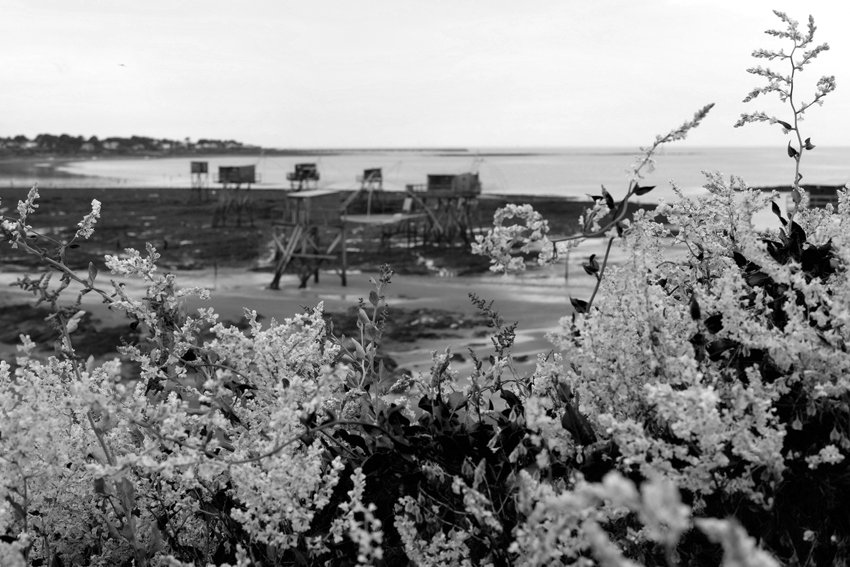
(802, 53)
(605, 218)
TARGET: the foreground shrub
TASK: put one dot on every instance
(726, 371)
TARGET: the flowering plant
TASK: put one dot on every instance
(784, 86)
(725, 371)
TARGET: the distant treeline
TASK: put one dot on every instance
(65, 144)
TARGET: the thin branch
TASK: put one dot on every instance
(601, 272)
(277, 449)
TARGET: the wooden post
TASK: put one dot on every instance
(343, 253)
(316, 246)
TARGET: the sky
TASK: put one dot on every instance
(407, 73)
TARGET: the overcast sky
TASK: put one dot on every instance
(404, 73)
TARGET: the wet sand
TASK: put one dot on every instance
(536, 300)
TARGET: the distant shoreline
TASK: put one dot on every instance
(566, 173)
(249, 151)
(520, 151)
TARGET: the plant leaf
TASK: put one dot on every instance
(716, 348)
(579, 305)
(714, 324)
(791, 151)
(757, 278)
(565, 393)
(511, 398)
(778, 212)
(591, 266)
(457, 400)
(798, 232)
(694, 308)
(609, 200)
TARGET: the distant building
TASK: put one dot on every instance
(237, 175)
(461, 183)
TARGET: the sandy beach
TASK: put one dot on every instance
(536, 300)
(535, 303)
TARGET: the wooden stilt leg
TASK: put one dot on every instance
(343, 276)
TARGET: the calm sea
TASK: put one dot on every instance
(567, 172)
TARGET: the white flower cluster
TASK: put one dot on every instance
(133, 264)
(829, 455)
(86, 226)
(441, 549)
(739, 549)
(565, 526)
(360, 524)
(28, 205)
(503, 242)
(16, 230)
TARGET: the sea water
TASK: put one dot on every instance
(564, 172)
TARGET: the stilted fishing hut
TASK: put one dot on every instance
(300, 240)
(450, 202)
(200, 172)
(375, 213)
(304, 175)
(372, 180)
(233, 197)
